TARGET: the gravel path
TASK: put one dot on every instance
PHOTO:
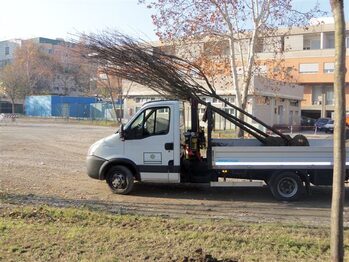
(44, 163)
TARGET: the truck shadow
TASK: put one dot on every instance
(321, 196)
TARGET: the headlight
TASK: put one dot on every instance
(93, 148)
(90, 150)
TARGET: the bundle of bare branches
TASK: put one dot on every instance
(142, 63)
(168, 75)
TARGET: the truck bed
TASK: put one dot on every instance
(251, 154)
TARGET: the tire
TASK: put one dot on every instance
(120, 180)
(286, 186)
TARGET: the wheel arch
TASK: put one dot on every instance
(302, 173)
(121, 162)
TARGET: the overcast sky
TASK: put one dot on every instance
(61, 18)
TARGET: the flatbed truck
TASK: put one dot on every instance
(154, 147)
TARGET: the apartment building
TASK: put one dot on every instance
(64, 83)
(8, 47)
(309, 54)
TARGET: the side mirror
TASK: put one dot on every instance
(122, 132)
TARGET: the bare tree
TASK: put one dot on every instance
(35, 66)
(339, 161)
(72, 72)
(12, 84)
(65, 69)
(110, 86)
(241, 27)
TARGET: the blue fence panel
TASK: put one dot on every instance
(38, 106)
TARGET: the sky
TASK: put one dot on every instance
(64, 18)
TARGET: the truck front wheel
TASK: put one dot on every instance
(120, 180)
(286, 186)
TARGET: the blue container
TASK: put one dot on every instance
(58, 106)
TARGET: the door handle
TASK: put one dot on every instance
(169, 146)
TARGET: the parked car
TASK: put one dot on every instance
(320, 123)
(307, 121)
(329, 127)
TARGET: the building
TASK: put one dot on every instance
(6, 107)
(66, 76)
(311, 53)
(274, 103)
(46, 44)
(8, 47)
(58, 106)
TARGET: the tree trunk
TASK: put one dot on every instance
(337, 249)
(13, 105)
(110, 90)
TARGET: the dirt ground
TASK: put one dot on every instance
(44, 163)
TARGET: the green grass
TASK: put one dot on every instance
(80, 234)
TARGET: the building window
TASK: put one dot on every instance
(328, 90)
(329, 40)
(262, 100)
(230, 99)
(316, 95)
(328, 68)
(7, 50)
(262, 69)
(308, 68)
(216, 48)
(293, 102)
(311, 42)
(230, 111)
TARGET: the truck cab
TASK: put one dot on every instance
(146, 149)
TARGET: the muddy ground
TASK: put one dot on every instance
(44, 163)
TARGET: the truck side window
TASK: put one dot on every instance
(153, 121)
(162, 123)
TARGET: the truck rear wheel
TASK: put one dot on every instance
(286, 186)
(120, 180)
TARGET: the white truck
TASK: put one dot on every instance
(154, 147)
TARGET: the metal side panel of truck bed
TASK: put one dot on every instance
(249, 154)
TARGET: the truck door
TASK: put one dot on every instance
(149, 142)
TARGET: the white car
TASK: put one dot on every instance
(329, 127)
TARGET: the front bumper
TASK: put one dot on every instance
(93, 164)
